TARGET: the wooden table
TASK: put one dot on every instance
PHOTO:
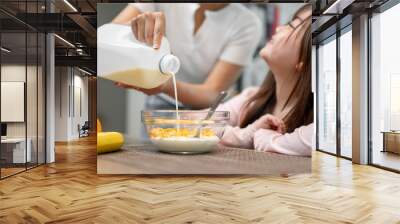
(145, 159)
(391, 141)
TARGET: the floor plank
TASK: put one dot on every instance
(387, 159)
(70, 191)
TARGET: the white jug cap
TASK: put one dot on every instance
(169, 64)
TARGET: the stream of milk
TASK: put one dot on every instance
(176, 103)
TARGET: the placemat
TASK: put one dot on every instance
(145, 159)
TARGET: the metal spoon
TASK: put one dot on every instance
(213, 107)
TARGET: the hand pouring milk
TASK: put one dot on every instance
(122, 58)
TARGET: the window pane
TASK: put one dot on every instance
(385, 84)
(32, 96)
(41, 98)
(15, 149)
(345, 94)
(327, 97)
(23, 88)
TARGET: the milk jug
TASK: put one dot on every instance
(122, 58)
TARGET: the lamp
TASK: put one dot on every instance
(64, 40)
(70, 5)
(5, 50)
(337, 7)
(84, 71)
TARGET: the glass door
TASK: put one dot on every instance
(326, 94)
(345, 94)
(385, 89)
(22, 76)
(14, 144)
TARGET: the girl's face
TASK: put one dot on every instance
(283, 50)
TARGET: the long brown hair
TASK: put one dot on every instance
(302, 112)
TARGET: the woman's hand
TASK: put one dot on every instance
(152, 91)
(269, 121)
(149, 27)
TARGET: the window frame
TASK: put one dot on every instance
(27, 29)
(378, 10)
(347, 27)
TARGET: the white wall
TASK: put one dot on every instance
(33, 126)
(80, 84)
(17, 73)
(67, 115)
(14, 73)
(61, 103)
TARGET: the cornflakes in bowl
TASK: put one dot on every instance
(174, 135)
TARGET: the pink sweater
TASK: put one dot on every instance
(299, 142)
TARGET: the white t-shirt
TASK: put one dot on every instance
(230, 34)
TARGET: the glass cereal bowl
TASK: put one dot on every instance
(189, 134)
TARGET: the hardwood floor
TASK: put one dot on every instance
(10, 171)
(70, 191)
(387, 159)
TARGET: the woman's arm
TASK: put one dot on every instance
(200, 96)
(298, 143)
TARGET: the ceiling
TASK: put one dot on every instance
(72, 20)
(332, 15)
